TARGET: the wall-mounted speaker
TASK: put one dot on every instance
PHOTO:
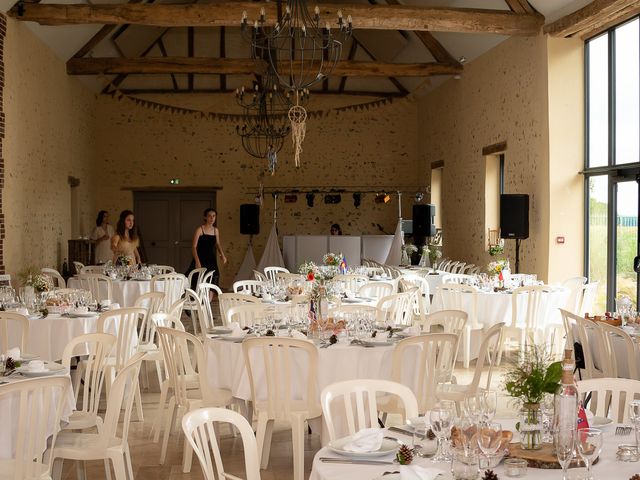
(249, 219)
(514, 216)
(424, 220)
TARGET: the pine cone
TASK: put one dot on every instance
(10, 364)
(635, 477)
(404, 455)
(431, 435)
(489, 475)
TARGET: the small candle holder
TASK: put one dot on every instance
(515, 467)
(627, 453)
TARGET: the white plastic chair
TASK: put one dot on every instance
(422, 298)
(271, 358)
(487, 356)
(208, 277)
(205, 293)
(456, 278)
(610, 397)
(526, 329)
(456, 296)
(199, 429)
(289, 277)
(228, 300)
(152, 302)
(609, 334)
(177, 348)
(164, 269)
(189, 306)
(587, 336)
(248, 287)
(362, 394)
(78, 266)
(173, 286)
(125, 323)
(55, 276)
(350, 282)
(36, 406)
(272, 272)
(396, 309)
(93, 281)
(106, 444)
(376, 290)
(246, 315)
(588, 297)
(18, 321)
(574, 285)
(259, 276)
(198, 314)
(433, 357)
(93, 373)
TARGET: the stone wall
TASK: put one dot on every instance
(502, 96)
(49, 136)
(140, 147)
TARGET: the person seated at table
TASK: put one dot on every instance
(335, 229)
(125, 242)
(102, 236)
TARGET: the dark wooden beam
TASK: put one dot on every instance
(190, 54)
(495, 148)
(223, 54)
(235, 66)
(376, 17)
(352, 55)
(163, 50)
(592, 14)
(520, 6)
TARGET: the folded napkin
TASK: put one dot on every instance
(236, 331)
(14, 353)
(413, 331)
(416, 472)
(366, 440)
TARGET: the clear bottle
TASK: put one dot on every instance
(566, 398)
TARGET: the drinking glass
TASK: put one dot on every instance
(441, 418)
(634, 417)
(464, 464)
(489, 437)
(488, 405)
(468, 428)
(422, 445)
(564, 443)
(473, 407)
(589, 441)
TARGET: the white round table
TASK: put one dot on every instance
(607, 466)
(125, 292)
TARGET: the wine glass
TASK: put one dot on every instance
(634, 416)
(468, 428)
(488, 405)
(589, 441)
(441, 418)
(564, 442)
(489, 438)
(473, 407)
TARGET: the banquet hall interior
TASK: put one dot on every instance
(470, 153)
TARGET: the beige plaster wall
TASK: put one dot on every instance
(566, 157)
(139, 147)
(502, 96)
(49, 136)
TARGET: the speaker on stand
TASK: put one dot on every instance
(514, 219)
(249, 219)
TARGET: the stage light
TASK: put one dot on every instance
(310, 198)
(383, 198)
(419, 196)
(357, 198)
(332, 198)
(290, 198)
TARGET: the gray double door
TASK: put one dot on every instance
(167, 220)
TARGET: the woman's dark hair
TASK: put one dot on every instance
(120, 228)
(100, 217)
(206, 212)
(337, 228)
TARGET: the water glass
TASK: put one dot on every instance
(634, 417)
(422, 445)
(564, 443)
(589, 441)
(489, 438)
(473, 407)
(488, 405)
(464, 464)
(441, 418)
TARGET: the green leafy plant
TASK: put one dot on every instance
(496, 250)
(533, 376)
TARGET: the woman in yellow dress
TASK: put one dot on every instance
(125, 242)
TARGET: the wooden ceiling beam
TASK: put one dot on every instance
(375, 17)
(354, 93)
(583, 20)
(234, 66)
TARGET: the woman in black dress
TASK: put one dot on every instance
(206, 243)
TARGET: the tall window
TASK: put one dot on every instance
(436, 191)
(612, 163)
(493, 188)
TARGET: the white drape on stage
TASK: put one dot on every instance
(395, 252)
(272, 255)
(247, 267)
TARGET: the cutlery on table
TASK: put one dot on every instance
(623, 430)
(354, 461)
(404, 432)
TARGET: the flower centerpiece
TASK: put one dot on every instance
(39, 282)
(528, 381)
(124, 261)
(433, 253)
(495, 250)
(407, 250)
(321, 289)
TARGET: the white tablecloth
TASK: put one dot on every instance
(495, 307)
(125, 292)
(9, 420)
(607, 467)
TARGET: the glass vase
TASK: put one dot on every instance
(404, 260)
(531, 426)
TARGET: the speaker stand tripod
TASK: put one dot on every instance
(517, 255)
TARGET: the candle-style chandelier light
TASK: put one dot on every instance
(300, 50)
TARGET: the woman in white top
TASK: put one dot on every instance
(102, 236)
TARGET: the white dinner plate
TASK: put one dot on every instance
(599, 422)
(387, 447)
(27, 357)
(50, 368)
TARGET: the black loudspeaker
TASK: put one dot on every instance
(249, 219)
(423, 220)
(514, 216)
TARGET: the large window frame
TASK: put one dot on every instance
(614, 172)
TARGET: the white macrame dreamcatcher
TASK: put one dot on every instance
(298, 119)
